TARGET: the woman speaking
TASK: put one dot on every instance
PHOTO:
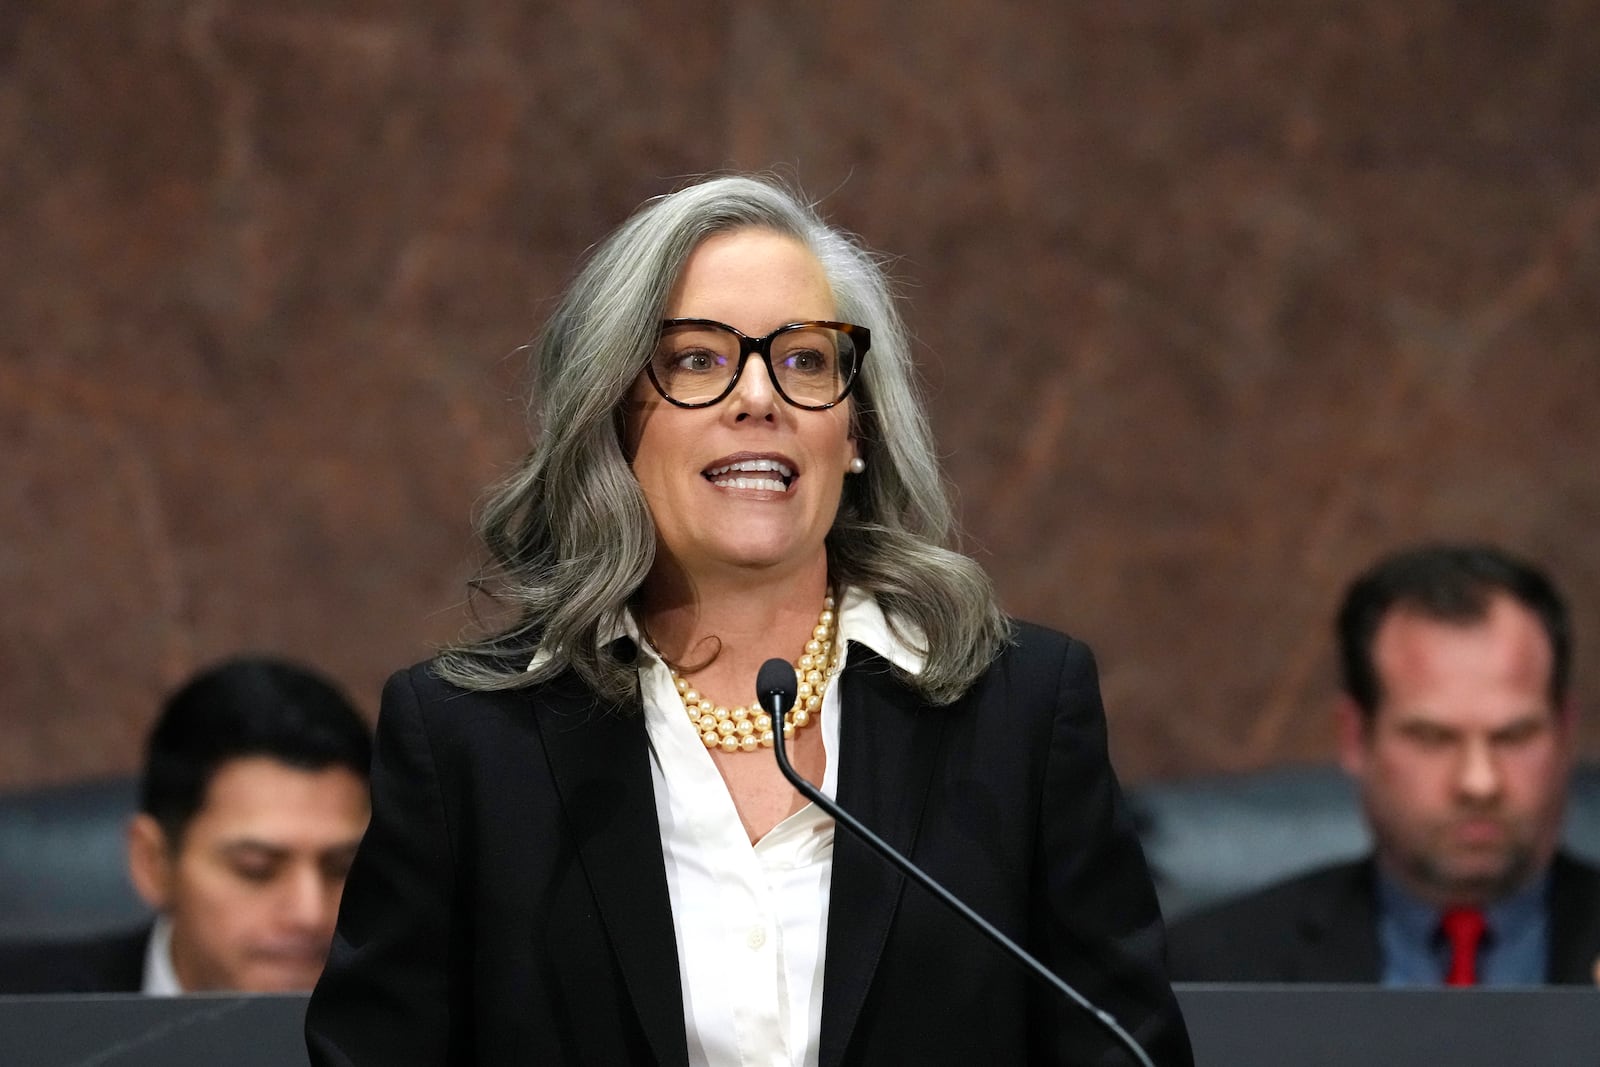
(582, 850)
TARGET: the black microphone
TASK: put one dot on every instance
(776, 688)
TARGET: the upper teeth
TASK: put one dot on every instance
(749, 465)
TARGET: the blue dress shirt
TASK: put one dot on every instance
(1514, 951)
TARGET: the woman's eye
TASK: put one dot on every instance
(697, 360)
(807, 361)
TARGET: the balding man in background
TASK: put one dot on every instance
(1457, 725)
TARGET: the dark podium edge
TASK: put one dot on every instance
(1231, 1026)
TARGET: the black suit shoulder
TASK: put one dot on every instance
(446, 704)
(449, 714)
(1033, 642)
(1574, 920)
(1039, 663)
(1570, 874)
(1318, 926)
(110, 964)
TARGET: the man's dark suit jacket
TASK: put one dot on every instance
(111, 964)
(1323, 927)
(509, 901)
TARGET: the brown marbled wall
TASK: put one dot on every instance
(1216, 301)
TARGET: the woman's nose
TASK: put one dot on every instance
(753, 393)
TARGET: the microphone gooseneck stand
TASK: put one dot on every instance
(776, 688)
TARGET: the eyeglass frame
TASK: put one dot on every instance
(860, 336)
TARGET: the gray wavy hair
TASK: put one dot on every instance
(569, 536)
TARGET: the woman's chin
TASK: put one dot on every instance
(753, 554)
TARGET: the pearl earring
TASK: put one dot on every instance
(857, 465)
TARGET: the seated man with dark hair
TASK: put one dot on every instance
(1458, 728)
(252, 802)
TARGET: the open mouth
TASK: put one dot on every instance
(766, 474)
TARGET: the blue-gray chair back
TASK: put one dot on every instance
(63, 861)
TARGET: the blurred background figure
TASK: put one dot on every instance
(252, 801)
(1457, 727)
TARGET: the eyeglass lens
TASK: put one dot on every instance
(696, 362)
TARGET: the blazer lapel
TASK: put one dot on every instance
(889, 742)
(599, 757)
(1338, 933)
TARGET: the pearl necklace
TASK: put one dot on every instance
(747, 727)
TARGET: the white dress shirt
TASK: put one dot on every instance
(160, 977)
(751, 922)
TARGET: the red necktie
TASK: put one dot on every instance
(1463, 928)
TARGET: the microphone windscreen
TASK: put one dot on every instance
(776, 678)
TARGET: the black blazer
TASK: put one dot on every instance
(509, 901)
(110, 964)
(1323, 927)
